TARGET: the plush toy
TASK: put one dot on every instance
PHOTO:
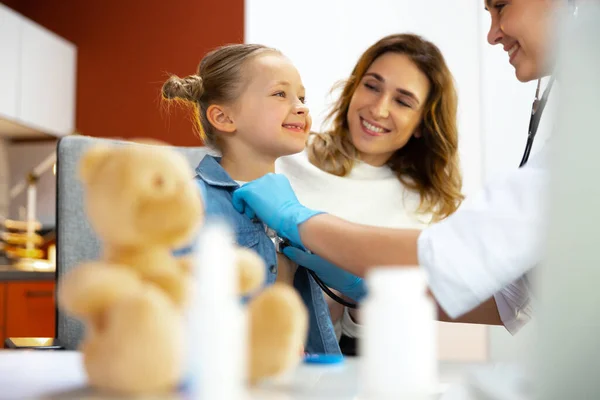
(142, 203)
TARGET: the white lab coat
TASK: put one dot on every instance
(494, 240)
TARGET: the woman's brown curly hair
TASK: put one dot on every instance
(429, 164)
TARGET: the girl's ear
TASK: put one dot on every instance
(219, 117)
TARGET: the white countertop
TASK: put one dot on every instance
(31, 374)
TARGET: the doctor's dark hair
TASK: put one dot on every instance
(429, 164)
(219, 79)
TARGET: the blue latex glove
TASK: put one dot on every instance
(272, 199)
(333, 276)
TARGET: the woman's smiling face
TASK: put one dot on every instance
(386, 107)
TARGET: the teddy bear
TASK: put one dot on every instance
(142, 202)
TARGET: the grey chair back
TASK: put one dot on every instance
(76, 241)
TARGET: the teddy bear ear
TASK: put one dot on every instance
(90, 161)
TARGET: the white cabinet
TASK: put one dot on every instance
(47, 99)
(9, 62)
(37, 79)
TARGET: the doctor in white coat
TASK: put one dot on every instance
(493, 240)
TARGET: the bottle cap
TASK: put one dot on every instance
(323, 359)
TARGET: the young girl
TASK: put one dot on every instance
(249, 105)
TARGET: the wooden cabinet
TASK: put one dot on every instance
(37, 78)
(28, 309)
(2, 310)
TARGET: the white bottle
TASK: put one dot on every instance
(217, 344)
(399, 343)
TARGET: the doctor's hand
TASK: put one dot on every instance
(272, 199)
(333, 276)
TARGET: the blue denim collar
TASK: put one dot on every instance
(211, 172)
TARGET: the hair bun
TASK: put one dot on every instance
(189, 88)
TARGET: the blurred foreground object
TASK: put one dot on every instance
(568, 357)
(143, 204)
(399, 346)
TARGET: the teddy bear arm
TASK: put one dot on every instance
(91, 287)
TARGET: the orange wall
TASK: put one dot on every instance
(125, 50)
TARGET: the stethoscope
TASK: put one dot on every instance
(281, 243)
(537, 109)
